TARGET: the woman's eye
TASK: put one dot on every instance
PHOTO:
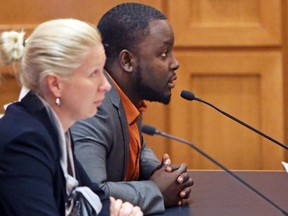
(94, 73)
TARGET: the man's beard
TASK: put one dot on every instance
(146, 92)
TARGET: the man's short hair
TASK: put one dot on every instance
(125, 26)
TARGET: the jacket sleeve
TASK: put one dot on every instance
(148, 160)
(103, 155)
(84, 180)
(27, 169)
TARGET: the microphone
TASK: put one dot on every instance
(147, 129)
(190, 96)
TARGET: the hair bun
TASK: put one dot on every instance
(12, 46)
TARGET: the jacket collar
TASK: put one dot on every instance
(32, 103)
(113, 94)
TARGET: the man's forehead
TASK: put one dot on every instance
(160, 30)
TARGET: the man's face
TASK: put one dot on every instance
(156, 64)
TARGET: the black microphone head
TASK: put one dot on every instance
(188, 95)
(147, 129)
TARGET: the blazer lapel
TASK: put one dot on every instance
(114, 97)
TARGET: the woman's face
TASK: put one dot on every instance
(84, 91)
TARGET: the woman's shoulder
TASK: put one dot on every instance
(21, 126)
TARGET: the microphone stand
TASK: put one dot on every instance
(187, 95)
(152, 131)
(243, 123)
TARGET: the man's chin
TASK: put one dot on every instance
(154, 96)
(157, 101)
(164, 100)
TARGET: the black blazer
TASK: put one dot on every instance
(31, 178)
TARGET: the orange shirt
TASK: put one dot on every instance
(132, 115)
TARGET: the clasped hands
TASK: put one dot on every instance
(173, 181)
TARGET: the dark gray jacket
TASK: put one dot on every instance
(102, 147)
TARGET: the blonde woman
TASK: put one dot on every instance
(62, 66)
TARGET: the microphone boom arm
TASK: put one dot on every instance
(153, 131)
(243, 123)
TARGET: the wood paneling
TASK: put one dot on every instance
(15, 14)
(9, 90)
(246, 85)
(225, 22)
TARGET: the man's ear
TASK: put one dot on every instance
(126, 59)
(54, 84)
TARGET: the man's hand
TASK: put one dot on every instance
(165, 160)
(186, 182)
(172, 190)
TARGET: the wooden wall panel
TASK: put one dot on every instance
(9, 90)
(225, 22)
(18, 15)
(230, 53)
(36, 11)
(285, 68)
(246, 85)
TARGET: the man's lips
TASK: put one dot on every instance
(171, 83)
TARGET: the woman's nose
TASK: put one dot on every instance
(105, 85)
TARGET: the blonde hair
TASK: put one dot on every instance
(11, 46)
(55, 47)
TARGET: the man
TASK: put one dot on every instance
(138, 41)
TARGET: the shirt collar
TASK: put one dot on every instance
(132, 112)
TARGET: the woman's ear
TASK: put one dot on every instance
(126, 59)
(54, 84)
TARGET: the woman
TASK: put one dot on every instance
(61, 64)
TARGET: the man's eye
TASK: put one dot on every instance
(164, 54)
